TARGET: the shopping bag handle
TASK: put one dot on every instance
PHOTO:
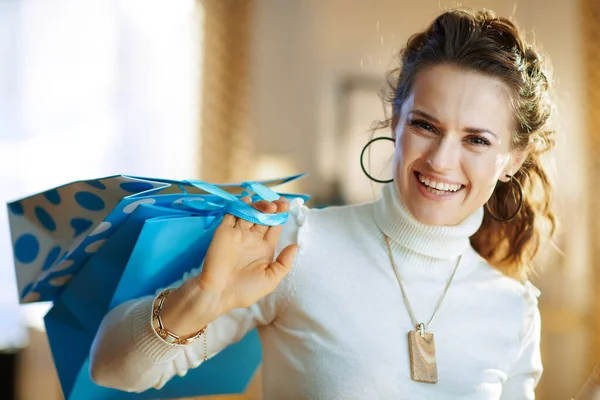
(235, 206)
(261, 190)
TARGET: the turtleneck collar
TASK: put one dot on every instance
(443, 242)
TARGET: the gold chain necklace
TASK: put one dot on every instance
(421, 348)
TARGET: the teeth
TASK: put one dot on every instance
(438, 186)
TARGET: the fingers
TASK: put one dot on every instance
(228, 221)
(264, 206)
(273, 232)
(276, 206)
(240, 222)
(267, 208)
(280, 267)
(282, 204)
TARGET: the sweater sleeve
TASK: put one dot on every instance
(526, 371)
(128, 355)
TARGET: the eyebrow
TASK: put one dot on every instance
(434, 120)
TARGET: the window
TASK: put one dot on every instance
(90, 89)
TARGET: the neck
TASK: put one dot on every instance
(443, 242)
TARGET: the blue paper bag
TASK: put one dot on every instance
(55, 232)
(143, 248)
(148, 252)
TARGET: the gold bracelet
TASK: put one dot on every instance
(168, 336)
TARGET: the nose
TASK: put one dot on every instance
(443, 156)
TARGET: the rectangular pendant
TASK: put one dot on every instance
(421, 349)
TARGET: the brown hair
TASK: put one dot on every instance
(480, 41)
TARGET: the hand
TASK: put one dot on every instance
(239, 262)
(238, 271)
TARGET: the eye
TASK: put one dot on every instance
(478, 141)
(421, 124)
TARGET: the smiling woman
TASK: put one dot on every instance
(347, 299)
(470, 123)
(445, 138)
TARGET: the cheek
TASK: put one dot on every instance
(483, 171)
(409, 149)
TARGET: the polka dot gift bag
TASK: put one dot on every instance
(91, 245)
(55, 232)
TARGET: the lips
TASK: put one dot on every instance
(438, 187)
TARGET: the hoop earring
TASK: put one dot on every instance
(519, 206)
(362, 165)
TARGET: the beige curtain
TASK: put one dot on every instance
(227, 133)
(591, 27)
(226, 123)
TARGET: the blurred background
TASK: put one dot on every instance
(229, 90)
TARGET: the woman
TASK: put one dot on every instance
(453, 236)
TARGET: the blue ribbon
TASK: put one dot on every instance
(231, 204)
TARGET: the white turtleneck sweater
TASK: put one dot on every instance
(336, 327)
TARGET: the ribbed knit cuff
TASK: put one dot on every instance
(146, 338)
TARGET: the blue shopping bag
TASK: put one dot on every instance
(148, 248)
(147, 253)
(55, 232)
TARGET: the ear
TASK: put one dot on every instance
(517, 158)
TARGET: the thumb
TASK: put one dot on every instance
(280, 267)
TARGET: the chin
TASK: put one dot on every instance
(434, 213)
(427, 216)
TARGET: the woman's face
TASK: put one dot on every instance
(453, 143)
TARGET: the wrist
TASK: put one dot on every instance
(164, 333)
(188, 309)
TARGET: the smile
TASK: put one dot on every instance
(438, 188)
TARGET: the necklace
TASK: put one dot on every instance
(421, 348)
